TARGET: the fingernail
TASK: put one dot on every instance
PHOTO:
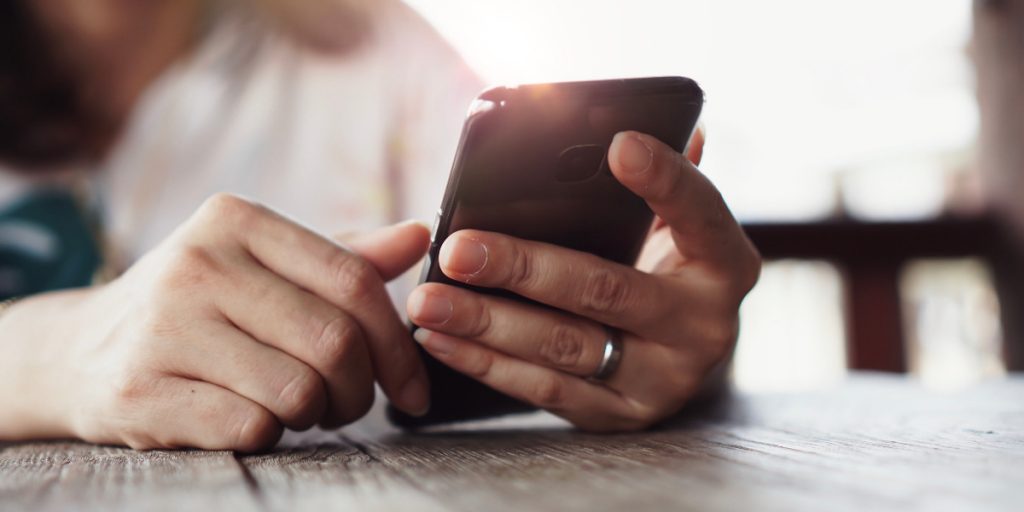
(635, 156)
(434, 343)
(428, 308)
(414, 396)
(464, 256)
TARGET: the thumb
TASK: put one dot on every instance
(694, 153)
(391, 249)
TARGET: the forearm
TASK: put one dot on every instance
(33, 401)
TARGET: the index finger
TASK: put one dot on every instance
(702, 225)
(573, 281)
(343, 279)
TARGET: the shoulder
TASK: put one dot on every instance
(388, 32)
(345, 26)
(410, 40)
(423, 64)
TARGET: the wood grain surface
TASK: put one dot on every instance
(871, 443)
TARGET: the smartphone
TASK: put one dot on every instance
(532, 163)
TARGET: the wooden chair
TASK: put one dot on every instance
(871, 256)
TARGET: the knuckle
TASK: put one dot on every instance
(481, 323)
(301, 396)
(227, 207)
(188, 266)
(547, 392)
(129, 432)
(564, 347)
(139, 440)
(130, 387)
(605, 292)
(521, 271)
(672, 180)
(334, 339)
(352, 276)
(480, 365)
(123, 412)
(255, 430)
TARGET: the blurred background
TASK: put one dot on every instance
(854, 134)
(847, 137)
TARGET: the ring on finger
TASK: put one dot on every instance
(611, 358)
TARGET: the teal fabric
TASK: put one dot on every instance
(46, 243)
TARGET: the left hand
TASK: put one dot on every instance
(676, 312)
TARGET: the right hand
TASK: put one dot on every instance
(240, 323)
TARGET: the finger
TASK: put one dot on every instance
(586, 405)
(678, 193)
(309, 329)
(342, 278)
(196, 414)
(695, 150)
(229, 358)
(649, 371)
(539, 335)
(569, 280)
(392, 249)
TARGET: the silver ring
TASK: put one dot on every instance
(611, 359)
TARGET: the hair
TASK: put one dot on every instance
(46, 119)
(43, 121)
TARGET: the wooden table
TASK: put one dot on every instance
(873, 443)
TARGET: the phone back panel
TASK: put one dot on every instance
(532, 163)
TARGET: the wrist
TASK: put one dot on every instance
(35, 336)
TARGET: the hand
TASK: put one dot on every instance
(240, 323)
(676, 313)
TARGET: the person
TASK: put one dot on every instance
(179, 127)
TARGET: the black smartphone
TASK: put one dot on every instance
(532, 163)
